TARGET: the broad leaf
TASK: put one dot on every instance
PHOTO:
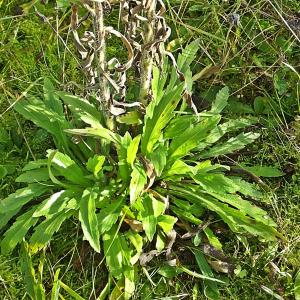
(116, 252)
(221, 100)
(67, 168)
(138, 182)
(88, 218)
(109, 215)
(133, 149)
(95, 164)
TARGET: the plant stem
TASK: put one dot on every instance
(146, 59)
(102, 64)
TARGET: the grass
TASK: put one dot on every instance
(258, 60)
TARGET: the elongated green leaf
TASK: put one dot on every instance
(218, 132)
(56, 286)
(246, 188)
(44, 231)
(179, 167)
(191, 138)
(211, 290)
(138, 182)
(55, 204)
(88, 218)
(221, 100)
(37, 112)
(166, 222)
(5, 217)
(70, 292)
(51, 99)
(124, 167)
(33, 289)
(17, 231)
(67, 168)
(217, 183)
(95, 164)
(21, 197)
(133, 149)
(116, 252)
(184, 61)
(264, 171)
(152, 208)
(98, 132)
(179, 125)
(235, 219)
(35, 164)
(158, 82)
(159, 159)
(34, 176)
(232, 145)
(80, 106)
(159, 118)
(109, 215)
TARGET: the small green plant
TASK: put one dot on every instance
(140, 189)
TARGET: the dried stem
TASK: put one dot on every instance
(147, 59)
(104, 87)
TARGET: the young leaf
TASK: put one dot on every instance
(50, 98)
(211, 290)
(159, 118)
(159, 159)
(138, 182)
(221, 100)
(152, 209)
(132, 149)
(166, 222)
(109, 215)
(33, 289)
(95, 164)
(88, 218)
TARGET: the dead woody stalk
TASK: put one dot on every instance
(145, 33)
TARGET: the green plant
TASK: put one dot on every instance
(138, 189)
